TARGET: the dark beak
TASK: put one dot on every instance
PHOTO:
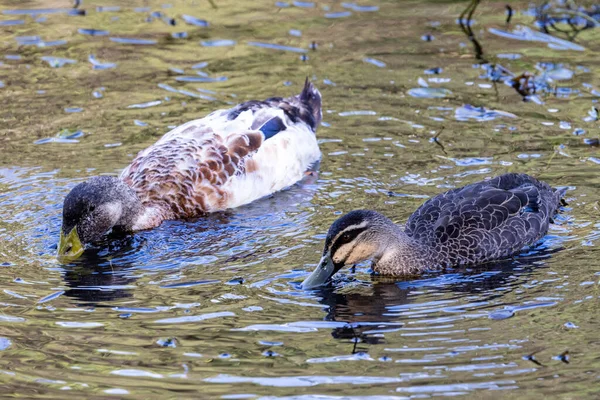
(321, 275)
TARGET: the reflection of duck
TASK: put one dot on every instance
(96, 278)
(478, 223)
(227, 159)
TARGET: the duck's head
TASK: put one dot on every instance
(91, 210)
(357, 236)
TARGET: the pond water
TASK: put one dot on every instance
(211, 308)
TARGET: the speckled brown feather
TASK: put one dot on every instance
(184, 177)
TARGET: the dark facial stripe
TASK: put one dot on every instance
(346, 237)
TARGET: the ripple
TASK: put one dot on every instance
(429, 93)
(218, 43)
(194, 21)
(375, 62)
(146, 105)
(340, 14)
(194, 318)
(126, 40)
(136, 373)
(75, 324)
(50, 297)
(303, 381)
(277, 47)
(93, 32)
(57, 62)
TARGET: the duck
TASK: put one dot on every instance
(227, 159)
(485, 221)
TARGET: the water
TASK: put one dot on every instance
(212, 306)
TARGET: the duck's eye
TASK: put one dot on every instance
(91, 208)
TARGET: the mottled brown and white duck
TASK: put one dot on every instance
(480, 222)
(224, 160)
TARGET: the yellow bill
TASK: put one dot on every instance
(69, 246)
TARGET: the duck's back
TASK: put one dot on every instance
(486, 220)
(228, 158)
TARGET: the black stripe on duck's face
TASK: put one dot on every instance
(345, 237)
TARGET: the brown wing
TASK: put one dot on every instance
(183, 176)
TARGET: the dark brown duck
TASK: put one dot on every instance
(480, 222)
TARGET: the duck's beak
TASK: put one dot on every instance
(69, 246)
(321, 274)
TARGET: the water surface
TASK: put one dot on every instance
(212, 306)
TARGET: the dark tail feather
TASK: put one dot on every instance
(311, 98)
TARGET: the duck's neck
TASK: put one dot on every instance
(402, 255)
(132, 209)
